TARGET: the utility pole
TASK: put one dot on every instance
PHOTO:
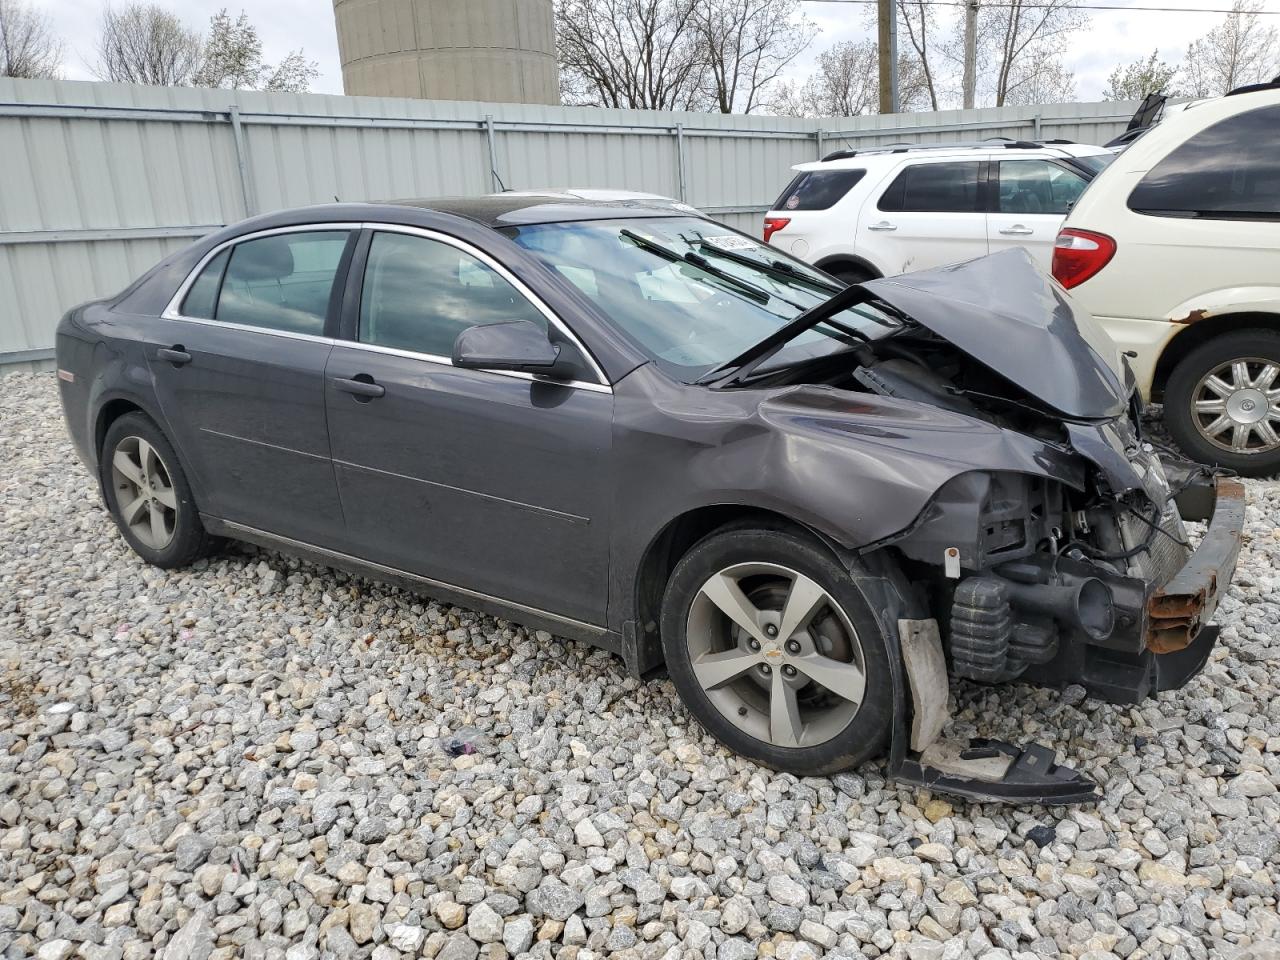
(888, 55)
(970, 51)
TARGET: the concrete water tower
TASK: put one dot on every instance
(498, 50)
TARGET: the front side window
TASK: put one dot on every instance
(1228, 171)
(419, 294)
(691, 315)
(1037, 186)
(818, 189)
(934, 188)
(279, 282)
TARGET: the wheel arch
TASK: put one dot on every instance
(837, 260)
(1202, 329)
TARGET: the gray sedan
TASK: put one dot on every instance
(810, 504)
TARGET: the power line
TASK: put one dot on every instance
(1069, 6)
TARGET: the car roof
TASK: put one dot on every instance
(515, 209)
(893, 153)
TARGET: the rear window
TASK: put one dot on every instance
(934, 188)
(817, 189)
(1228, 171)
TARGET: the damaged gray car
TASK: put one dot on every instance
(811, 504)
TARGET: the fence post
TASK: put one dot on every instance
(819, 135)
(237, 136)
(494, 180)
(1035, 127)
(680, 159)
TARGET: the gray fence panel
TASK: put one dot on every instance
(102, 180)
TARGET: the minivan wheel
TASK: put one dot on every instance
(776, 652)
(1222, 402)
(148, 495)
(850, 273)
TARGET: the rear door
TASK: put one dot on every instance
(494, 482)
(1030, 199)
(932, 213)
(238, 362)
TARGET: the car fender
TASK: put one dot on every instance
(1258, 298)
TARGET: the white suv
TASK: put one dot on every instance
(1175, 247)
(861, 214)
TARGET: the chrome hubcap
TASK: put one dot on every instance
(144, 492)
(775, 654)
(1237, 406)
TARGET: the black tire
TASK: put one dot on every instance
(850, 273)
(865, 734)
(1180, 394)
(188, 541)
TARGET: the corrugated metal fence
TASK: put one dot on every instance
(101, 180)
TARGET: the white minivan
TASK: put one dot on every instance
(1175, 248)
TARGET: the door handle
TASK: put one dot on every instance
(361, 386)
(175, 355)
(1017, 230)
(882, 225)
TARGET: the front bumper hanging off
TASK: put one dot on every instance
(1178, 641)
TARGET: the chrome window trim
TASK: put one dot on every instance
(172, 310)
(507, 275)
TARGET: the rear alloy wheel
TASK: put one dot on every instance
(776, 652)
(148, 495)
(1222, 403)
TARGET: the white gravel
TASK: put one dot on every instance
(247, 759)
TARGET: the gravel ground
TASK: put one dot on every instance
(254, 758)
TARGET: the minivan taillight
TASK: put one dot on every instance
(773, 224)
(1079, 254)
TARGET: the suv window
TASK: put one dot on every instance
(1228, 171)
(1037, 186)
(419, 294)
(817, 189)
(280, 282)
(934, 188)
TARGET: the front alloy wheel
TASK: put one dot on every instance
(774, 649)
(1222, 402)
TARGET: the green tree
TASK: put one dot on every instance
(1135, 80)
(233, 59)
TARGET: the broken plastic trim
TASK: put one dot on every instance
(998, 772)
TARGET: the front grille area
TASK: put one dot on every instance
(1166, 555)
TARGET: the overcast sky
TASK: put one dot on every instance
(1114, 36)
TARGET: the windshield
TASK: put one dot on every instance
(693, 294)
(1094, 162)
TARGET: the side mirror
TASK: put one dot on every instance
(511, 345)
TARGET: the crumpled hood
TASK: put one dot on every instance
(1007, 313)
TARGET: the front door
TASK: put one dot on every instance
(931, 214)
(1032, 198)
(239, 370)
(497, 483)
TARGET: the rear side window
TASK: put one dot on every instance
(818, 189)
(202, 298)
(1229, 171)
(282, 282)
(934, 188)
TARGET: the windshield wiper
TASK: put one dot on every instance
(758, 294)
(776, 268)
(741, 366)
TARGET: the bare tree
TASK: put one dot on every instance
(1135, 80)
(233, 59)
(28, 46)
(1240, 50)
(747, 44)
(1017, 34)
(916, 24)
(1040, 78)
(847, 84)
(143, 43)
(645, 54)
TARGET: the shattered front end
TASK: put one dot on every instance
(1054, 586)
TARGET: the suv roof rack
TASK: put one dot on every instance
(1272, 84)
(971, 144)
